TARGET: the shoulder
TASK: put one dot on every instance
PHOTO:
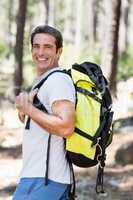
(59, 80)
(58, 86)
(60, 76)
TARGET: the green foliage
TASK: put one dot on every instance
(125, 62)
(31, 8)
(29, 75)
(89, 54)
(69, 56)
(125, 65)
(2, 49)
(66, 60)
(60, 16)
(6, 6)
(28, 69)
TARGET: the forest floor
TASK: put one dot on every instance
(118, 180)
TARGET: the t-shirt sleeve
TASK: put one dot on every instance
(60, 87)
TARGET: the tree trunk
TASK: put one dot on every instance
(46, 4)
(110, 54)
(52, 12)
(10, 17)
(124, 24)
(78, 26)
(1, 7)
(21, 16)
(68, 28)
(92, 20)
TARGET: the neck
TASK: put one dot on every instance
(39, 73)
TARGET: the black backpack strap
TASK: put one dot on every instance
(47, 160)
(101, 159)
(99, 182)
(72, 191)
(102, 132)
(90, 94)
(107, 99)
(37, 103)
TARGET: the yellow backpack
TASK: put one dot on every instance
(93, 114)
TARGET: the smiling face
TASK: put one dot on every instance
(45, 55)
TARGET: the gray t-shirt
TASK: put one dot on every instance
(58, 86)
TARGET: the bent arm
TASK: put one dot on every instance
(61, 122)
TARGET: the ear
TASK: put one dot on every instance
(59, 52)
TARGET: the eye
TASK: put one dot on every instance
(35, 46)
(49, 46)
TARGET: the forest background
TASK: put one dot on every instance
(99, 31)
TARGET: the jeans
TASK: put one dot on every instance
(35, 189)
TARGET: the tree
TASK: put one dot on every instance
(0, 7)
(46, 4)
(21, 16)
(124, 25)
(92, 6)
(110, 53)
(78, 30)
(68, 28)
(52, 4)
(10, 18)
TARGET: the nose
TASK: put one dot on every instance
(41, 51)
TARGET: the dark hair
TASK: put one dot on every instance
(49, 30)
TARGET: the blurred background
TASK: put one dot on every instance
(99, 31)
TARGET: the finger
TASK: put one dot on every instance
(35, 90)
(24, 97)
(17, 99)
(32, 94)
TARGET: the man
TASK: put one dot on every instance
(57, 94)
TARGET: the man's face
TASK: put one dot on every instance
(45, 55)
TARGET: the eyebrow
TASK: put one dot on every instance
(46, 45)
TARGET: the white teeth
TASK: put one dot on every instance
(42, 59)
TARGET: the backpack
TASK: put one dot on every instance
(93, 128)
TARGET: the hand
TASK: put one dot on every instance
(32, 94)
(24, 101)
(21, 116)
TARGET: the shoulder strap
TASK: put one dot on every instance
(44, 79)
